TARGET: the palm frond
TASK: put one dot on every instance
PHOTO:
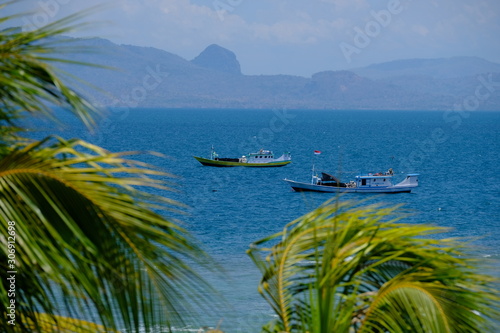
(346, 267)
(94, 239)
(29, 83)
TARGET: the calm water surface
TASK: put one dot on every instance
(232, 207)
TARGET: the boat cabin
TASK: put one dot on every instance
(383, 180)
(262, 156)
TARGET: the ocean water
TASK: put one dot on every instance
(455, 154)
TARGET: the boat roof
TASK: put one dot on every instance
(373, 176)
(383, 176)
(327, 177)
(262, 152)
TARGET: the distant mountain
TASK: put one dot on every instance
(443, 68)
(219, 59)
(149, 77)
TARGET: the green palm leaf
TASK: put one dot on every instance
(87, 236)
(347, 268)
(29, 83)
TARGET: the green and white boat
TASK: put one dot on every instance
(260, 159)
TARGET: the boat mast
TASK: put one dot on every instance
(312, 172)
(212, 153)
(315, 153)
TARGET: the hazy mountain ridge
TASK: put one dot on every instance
(437, 68)
(149, 77)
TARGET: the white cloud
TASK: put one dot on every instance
(421, 30)
(343, 5)
(483, 12)
(289, 32)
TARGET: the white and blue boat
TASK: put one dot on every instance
(367, 183)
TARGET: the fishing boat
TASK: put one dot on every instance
(262, 158)
(381, 182)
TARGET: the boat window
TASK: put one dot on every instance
(363, 181)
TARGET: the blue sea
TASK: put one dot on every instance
(456, 155)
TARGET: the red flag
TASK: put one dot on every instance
(317, 152)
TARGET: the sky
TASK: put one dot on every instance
(294, 37)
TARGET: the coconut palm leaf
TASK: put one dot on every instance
(29, 83)
(85, 234)
(351, 268)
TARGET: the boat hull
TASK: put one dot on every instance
(307, 187)
(216, 163)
